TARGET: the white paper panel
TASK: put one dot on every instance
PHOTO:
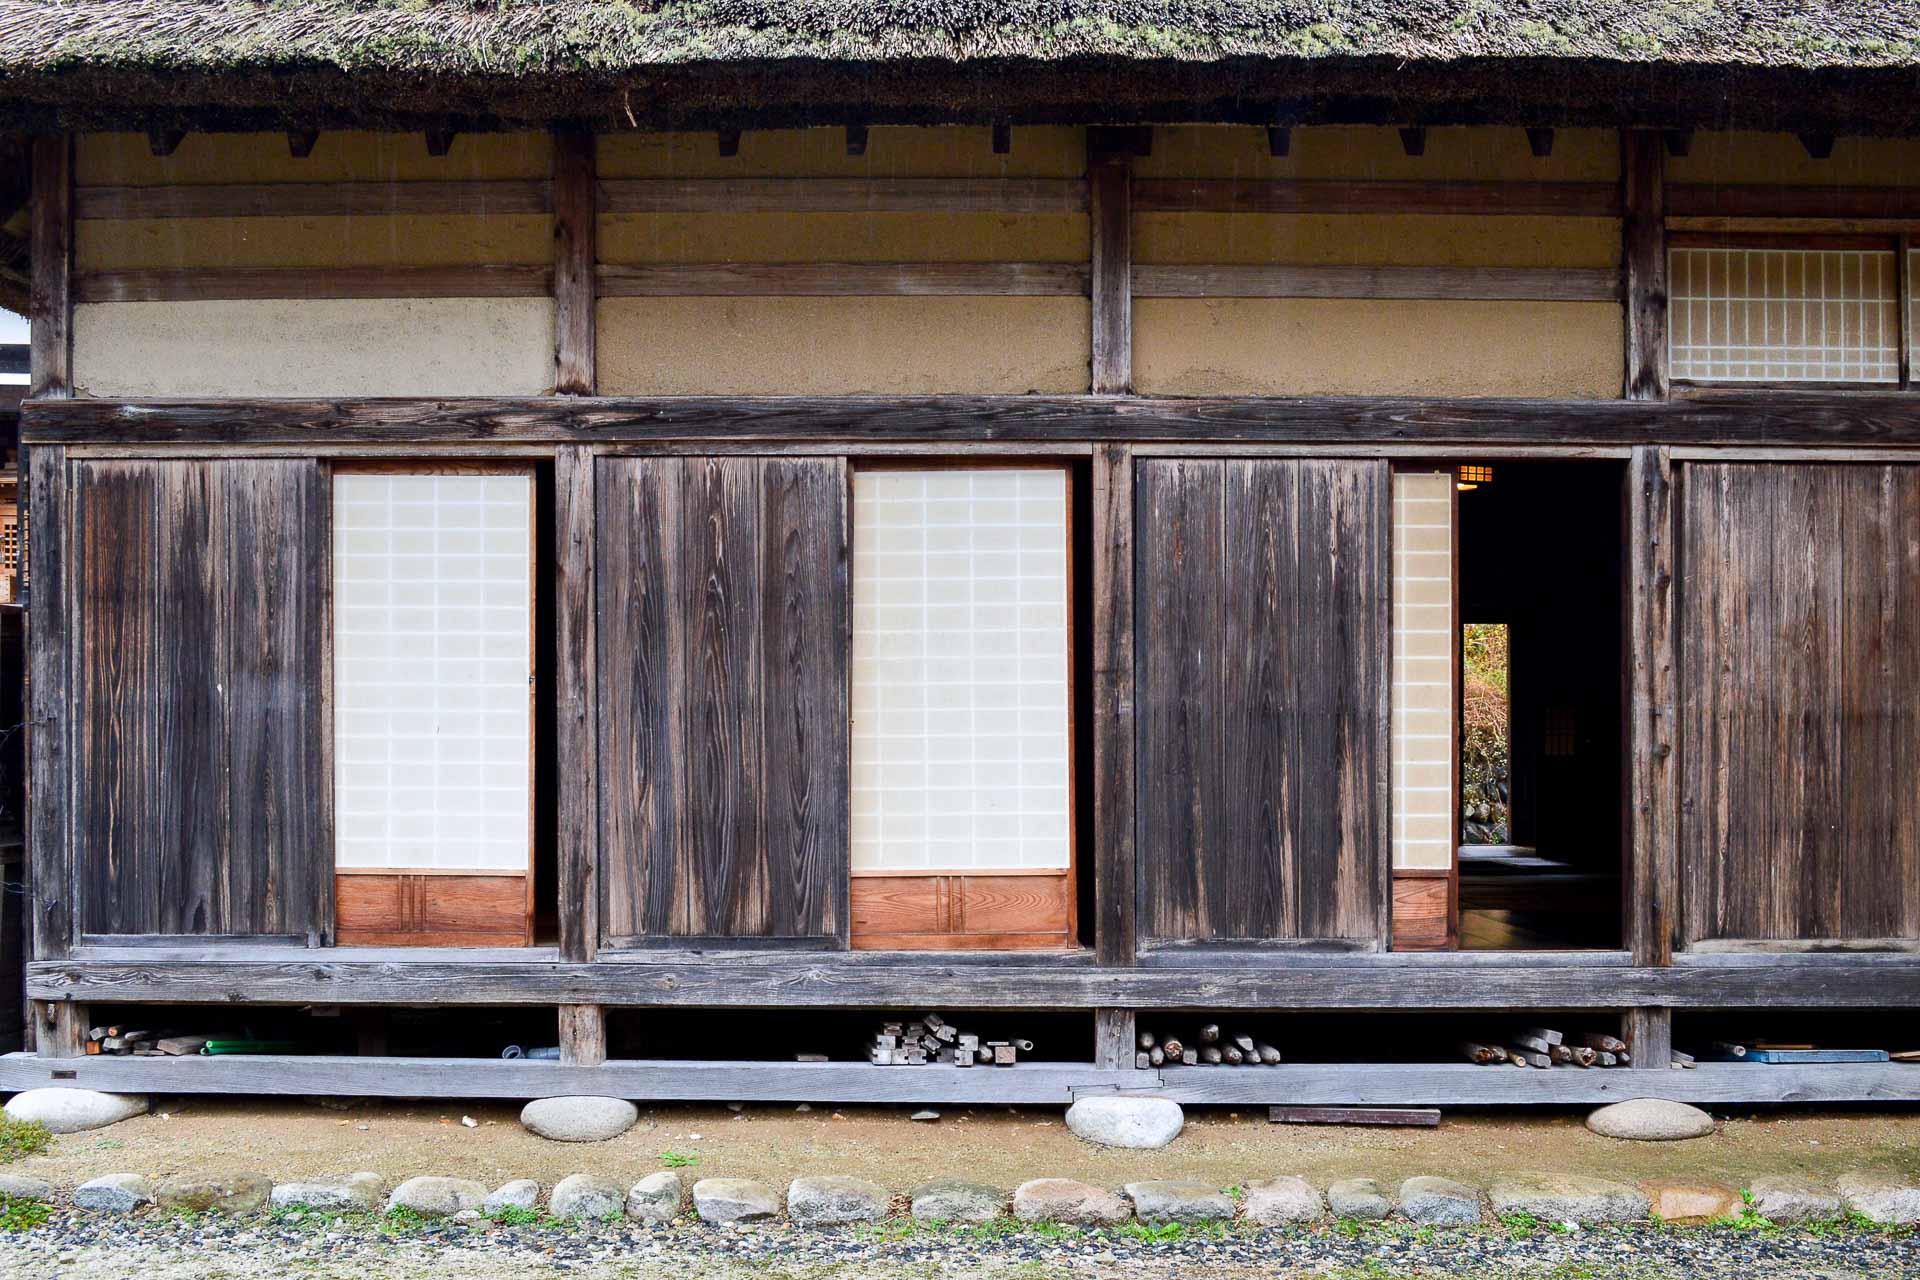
(1784, 315)
(960, 598)
(1423, 626)
(431, 668)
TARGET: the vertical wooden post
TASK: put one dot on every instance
(583, 1035)
(1653, 867)
(1110, 217)
(573, 262)
(1114, 1039)
(51, 919)
(1115, 886)
(1643, 161)
(50, 299)
(576, 733)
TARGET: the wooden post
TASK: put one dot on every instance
(1643, 161)
(1114, 1044)
(1110, 215)
(576, 733)
(573, 262)
(583, 1035)
(1116, 896)
(1652, 882)
(60, 1029)
(49, 842)
(50, 299)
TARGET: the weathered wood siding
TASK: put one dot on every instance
(1800, 681)
(723, 632)
(201, 793)
(1261, 632)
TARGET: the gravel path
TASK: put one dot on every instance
(73, 1246)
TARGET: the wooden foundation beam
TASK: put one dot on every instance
(1649, 1034)
(583, 1035)
(1114, 1039)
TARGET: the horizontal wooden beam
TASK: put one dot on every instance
(843, 195)
(1545, 284)
(1832, 419)
(1308, 1084)
(1713, 200)
(314, 199)
(1255, 195)
(867, 279)
(846, 980)
(235, 283)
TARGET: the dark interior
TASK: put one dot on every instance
(1540, 550)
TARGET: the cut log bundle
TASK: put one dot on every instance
(1547, 1047)
(1208, 1046)
(934, 1040)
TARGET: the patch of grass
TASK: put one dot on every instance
(678, 1159)
(21, 1138)
(992, 1229)
(1053, 1230)
(512, 1215)
(1749, 1218)
(22, 1215)
(1520, 1226)
(1154, 1232)
(1352, 1227)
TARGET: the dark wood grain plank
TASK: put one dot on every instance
(1321, 196)
(843, 279)
(1643, 162)
(50, 294)
(229, 283)
(1116, 881)
(314, 199)
(50, 728)
(806, 634)
(577, 704)
(843, 195)
(1652, 888)
(1474, 284)
(574, 239)
(1110, 217)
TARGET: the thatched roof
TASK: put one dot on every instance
(727, 63)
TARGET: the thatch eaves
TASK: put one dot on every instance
(743, 63)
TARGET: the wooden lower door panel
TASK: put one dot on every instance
(439, 910)
(1423, 914)
(963, 912)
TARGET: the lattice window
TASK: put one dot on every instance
(1761, 314)
(960, 670)
(1424, 803)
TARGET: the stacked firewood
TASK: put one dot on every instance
(932, 1039)
(1545, 1047)
(131, 1042)
(1207, 1046)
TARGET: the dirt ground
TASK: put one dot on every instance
(297, 1139)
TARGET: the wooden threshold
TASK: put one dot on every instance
(1331, 1084)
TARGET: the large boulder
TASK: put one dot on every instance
(1361, 1199)
(834, 1200)
(1567, 1197)
(75, 1110)
(1439, 1202)
(432, 1197)
(1114, 1121)
(656, 1198)
(1791, 1200)
(356, 1193)
(956, 1200)
(214, 1192)
(1650, 1120)
(725, 1201)
(113, 1193)
(1066, 1201)
(1880, 1198)
(1171, 1200)
(1279, 1202)
(586, 1195)
(581, 1118)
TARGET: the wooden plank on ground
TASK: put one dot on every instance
(1413, 1117)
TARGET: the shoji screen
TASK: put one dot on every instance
(1791, 313)
(962, 756)
(432, 678)
(1424, 635)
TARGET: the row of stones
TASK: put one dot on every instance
(835, 1200)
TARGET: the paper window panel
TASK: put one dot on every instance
(432, 610)
(1423, 672)
(960, 682)
(1784, 315)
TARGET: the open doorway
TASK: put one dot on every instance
(1540, 708)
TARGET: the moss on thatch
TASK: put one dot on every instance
(692, 60)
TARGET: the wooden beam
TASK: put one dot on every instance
(1248, 280)
(1644, 262)
(1649, 1031)
(1819, 145)
(1413, 140)
(856, 140)
(164, 142)
(1116, 887)
(1463, 1084)
(826, 979)
(301, 142)
(1540, 142)
(583, 1035)
(728, 143)
(1114, 1041)
(576, 702)
(1679, 142)
(315, 199)
(170, 285)
(51, 917)
(50, 235)
(843, 195)
(1109, 202)
(1002, 138)
(574, 255)
(1651, 885)
(440, 141)
(1279, 141)
(59, 1030)
(1774, 419)
(844, 279)
(1320, 195)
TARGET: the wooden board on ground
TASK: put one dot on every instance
(1419, 1117)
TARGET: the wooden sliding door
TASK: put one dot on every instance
(1261, 643)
